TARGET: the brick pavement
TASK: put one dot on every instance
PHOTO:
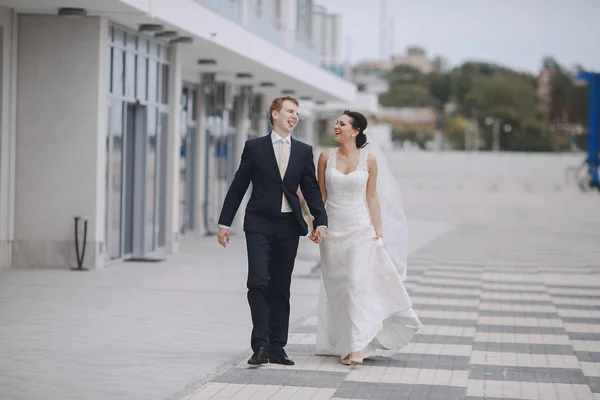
(505, 317)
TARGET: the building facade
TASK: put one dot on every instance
(125, 120)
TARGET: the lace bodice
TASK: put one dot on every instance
(347, 194)
(346, 189)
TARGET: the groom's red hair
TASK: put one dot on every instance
(277, 103)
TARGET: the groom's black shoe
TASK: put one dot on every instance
(260, 357)
(278, 356)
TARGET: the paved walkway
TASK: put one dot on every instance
(505, 316)
(509, 295)
(509, 298)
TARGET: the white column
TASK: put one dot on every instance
(8, 70)
(173, 148)
(102, 128)
(263, 126)
(200, 150)
(61, 120)
(242, 120)
(311, 137)
(242, 124)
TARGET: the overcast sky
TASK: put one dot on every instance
(515, 33)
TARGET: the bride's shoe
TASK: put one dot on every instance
(349, 360)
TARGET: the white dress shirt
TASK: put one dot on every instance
(277, 143)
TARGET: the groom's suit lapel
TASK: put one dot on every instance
(270, 154)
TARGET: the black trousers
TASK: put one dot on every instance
(270, 265)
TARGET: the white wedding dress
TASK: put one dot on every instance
(363, 304)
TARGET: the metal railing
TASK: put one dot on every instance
(262, 27)
(305, 51)
(339, 70)
(227, 8)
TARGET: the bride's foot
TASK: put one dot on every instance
(354, 358)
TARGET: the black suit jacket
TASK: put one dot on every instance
(259, 166)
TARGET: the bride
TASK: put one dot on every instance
(364, 309)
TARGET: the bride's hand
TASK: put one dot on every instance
(378, 235)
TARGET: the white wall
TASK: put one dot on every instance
(483, 171)
(61, 131)
(7, 133)
(173, 154)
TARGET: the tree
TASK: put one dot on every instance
(405, 74)
(512, 100)
(407, 95)
(440, 64)
(568, 101)
(440, 87)
(465, 77)
(455, 129)
(406, 88)
(506, 97)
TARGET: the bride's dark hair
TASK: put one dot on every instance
(359, 122)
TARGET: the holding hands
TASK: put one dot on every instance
(318, 234)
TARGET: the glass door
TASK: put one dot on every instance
(134, 179)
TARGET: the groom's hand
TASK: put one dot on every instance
(318, 234)
(223, 236)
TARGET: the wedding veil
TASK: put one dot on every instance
(394, 224)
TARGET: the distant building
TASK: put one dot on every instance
(408, 117)
(415, 57)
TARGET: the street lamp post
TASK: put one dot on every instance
(496, 131)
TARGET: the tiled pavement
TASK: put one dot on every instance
(502, 319)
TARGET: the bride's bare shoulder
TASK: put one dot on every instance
(371, 162)
(324, 155)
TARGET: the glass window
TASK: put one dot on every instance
(153, 50)
(162, 197)
(164, 84)
(192, 105)
(141, 85)
(131, 42)
(130, 75)
(151, 181)
(110, 70)
(119, 37)
(184, 152)
(117, 71)
(152, 81)
(107, 179)
(143, 46)
(165, 53)
(115, 179)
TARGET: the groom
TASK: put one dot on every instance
(276, 165)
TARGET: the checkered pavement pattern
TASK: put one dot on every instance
(503, 319)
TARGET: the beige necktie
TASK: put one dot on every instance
(283, 157)
(283, 163)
